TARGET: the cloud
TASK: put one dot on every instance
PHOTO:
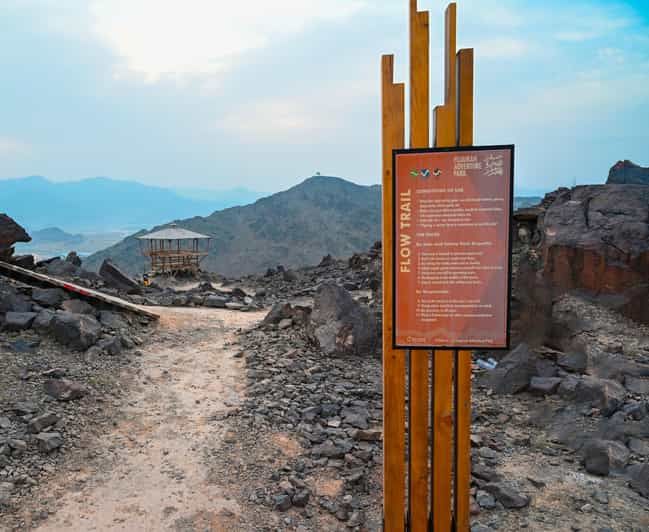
(12, 147)
(157, 38)
(502, 48)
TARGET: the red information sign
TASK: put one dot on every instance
(452, 247)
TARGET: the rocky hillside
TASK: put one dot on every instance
(295, 228)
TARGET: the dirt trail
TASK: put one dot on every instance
(173, 421)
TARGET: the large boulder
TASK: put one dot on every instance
(627, 173)
(515, 371)
(18, 321)
(339, 325)
(59, 267)
(603, 457)
(76, 330)
(590, 239)
(116, 278)
(10, 233)
(607, 395)
(48, 297)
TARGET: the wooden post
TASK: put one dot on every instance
(463, 359)
(442, 471)
(394, 371)
(418, 385)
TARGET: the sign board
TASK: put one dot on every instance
(452, 247)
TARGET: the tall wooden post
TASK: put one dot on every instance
(394, 370)
(418, 429)
(438, 425)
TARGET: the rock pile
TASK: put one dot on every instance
(330, 406)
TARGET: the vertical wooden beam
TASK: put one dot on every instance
(445, 126)
(394, 380)
(418, 427)
(419, 78)
(442, 439)
(463, 360)
(465, 97)
(442, 470)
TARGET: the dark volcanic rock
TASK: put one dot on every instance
(76, 306)
(76, 330)
(18, 321)
(602, 457)
(64, 389)
(48, 297)
(507, 496)
(604, 394)
(116, 278)
(61, 268)
(73, 258)
(514, 372)
(640, 479)
(339, 325)
(627, 173)
(10, 233)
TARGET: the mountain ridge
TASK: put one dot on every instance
(295, 227)
(102, 203)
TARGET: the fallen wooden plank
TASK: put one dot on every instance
(28, 276)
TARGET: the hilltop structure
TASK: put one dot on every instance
(175, 250)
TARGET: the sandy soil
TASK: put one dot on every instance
(156, 479)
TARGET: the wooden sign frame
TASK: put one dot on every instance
(426, 463)
(508, 229)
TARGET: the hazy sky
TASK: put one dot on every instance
(212, 93)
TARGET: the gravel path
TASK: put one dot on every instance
(148, 474)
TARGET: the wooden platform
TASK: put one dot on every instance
(30, 277)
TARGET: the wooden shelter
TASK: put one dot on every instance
(174, 250)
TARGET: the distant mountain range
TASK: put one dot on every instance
(296, 227)
(102, 204)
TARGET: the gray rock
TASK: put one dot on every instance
(639, 479)
(574, 362)
(602, 457)
(77, 306)
(639, 447)
(627, 173)
(18, 321)
(116, 278)
(636, 385)
(61, 268)
(73, 258)
(514, 372)
(507, 495)
(111, 345)
(49, 441)
(5, 423)
(43, 320)
(76, 330)
(544, 385)
(607, 395)
(48, 297)
(282, 502)
(356, 417)
(10, 233)
(40, 423)
(485, 500)
(6, 489)
(301, 498)
(328, 449)
(112, 320)
(285, 324)
(64, 389)
(339, 325)
(215, 301)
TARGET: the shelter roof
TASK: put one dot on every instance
(173, 232)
